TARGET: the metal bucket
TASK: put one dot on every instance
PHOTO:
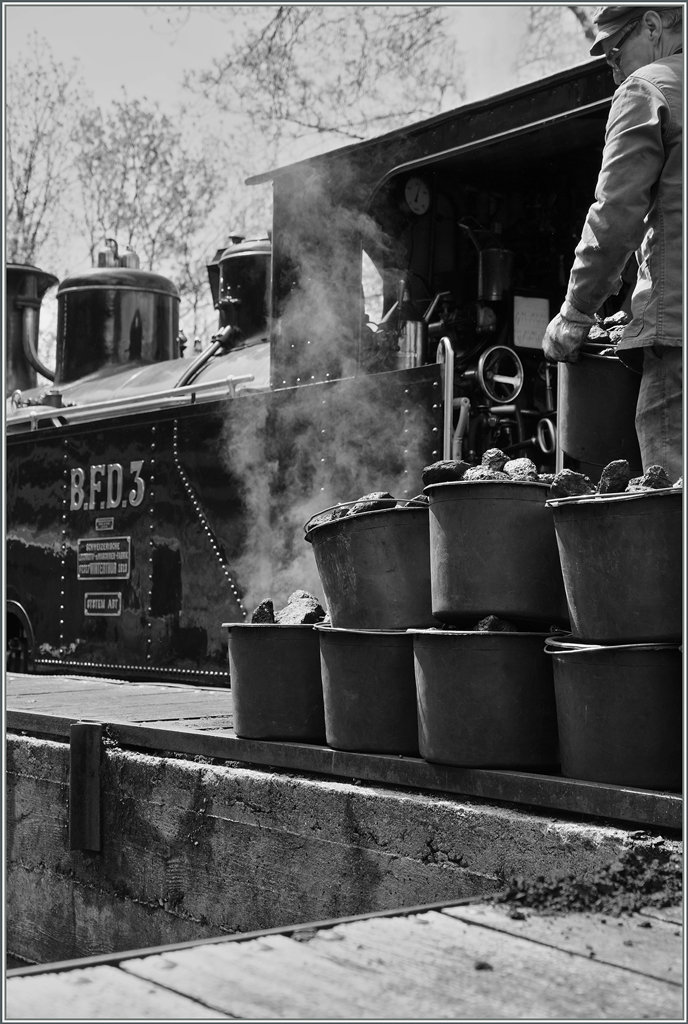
(493, 552)
(485, 699)
(597, 400)
(369, 690)
(621, 557)
(275, 676)
(620, 713)
(375, 569)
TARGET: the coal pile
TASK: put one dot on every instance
(484, 473)
(493, 624)
(615, 477)
(654, 479)
(609, 331)
(494, 458)
(496, 465)
(264, 613)
(373, 502)
(568, 484)
(329, 516)
(647, 875)
(444, 471)
(301, 609)
(521, 469)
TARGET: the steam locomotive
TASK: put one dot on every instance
(393, 318)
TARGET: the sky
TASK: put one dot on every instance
(129, 45)
(132, 47)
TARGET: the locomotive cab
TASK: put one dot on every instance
(451, 239)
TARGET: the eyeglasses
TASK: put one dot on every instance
(612, 57)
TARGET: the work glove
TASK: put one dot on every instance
(565, 334)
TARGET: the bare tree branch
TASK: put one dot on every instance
(585, 19)
(343, 71)
(40, 97)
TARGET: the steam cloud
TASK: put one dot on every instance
(298, 451)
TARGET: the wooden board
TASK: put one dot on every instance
(453, 963)
(622, 942)
(672, 915)
(223, 722)
(31, 685)
(98, 993)
(167, 719)
(426, 966)
(171, 705)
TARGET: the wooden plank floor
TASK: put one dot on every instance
(467, 962)
(196, 720)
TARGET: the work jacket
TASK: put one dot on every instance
(638, 208)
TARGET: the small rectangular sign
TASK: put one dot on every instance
(106, 523)
(103, 604)
(531, 317)
(100, 557)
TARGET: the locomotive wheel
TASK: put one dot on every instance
(500, 374)
(17, 649)
(18, 639)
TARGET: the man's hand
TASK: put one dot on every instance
(565, 334)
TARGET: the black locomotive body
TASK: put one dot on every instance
(394, 318)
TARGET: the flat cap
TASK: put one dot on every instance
(610, 20)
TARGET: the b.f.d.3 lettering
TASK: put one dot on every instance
(103, 486)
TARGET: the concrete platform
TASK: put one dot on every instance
(465, 962)
(199, 721)
(198, 840)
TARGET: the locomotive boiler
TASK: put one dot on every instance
(393, 318)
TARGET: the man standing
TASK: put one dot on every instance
(637, 208)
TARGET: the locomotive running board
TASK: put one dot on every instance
(190, 394)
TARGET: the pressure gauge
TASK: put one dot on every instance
(417, 195)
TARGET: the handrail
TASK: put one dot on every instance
(445, 354)
(142, 403)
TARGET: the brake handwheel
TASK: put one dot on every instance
(500, 374)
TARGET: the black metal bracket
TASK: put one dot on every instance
(85, 745)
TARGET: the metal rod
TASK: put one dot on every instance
(559, 454)
(445, 355)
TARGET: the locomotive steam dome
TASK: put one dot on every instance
(114, 317)
(239, 276)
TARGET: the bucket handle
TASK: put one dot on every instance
(569, 647)
(589, 499)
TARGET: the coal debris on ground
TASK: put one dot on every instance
(647, 875)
